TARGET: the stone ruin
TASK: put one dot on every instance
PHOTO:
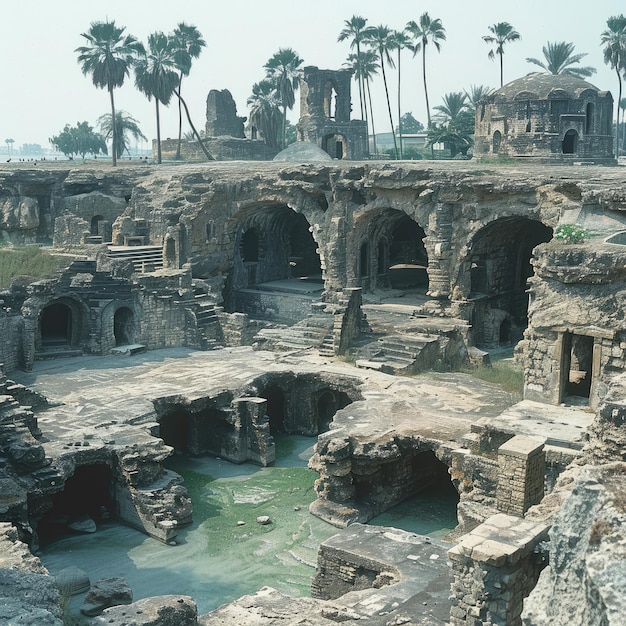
(546, 117)
(275, 270)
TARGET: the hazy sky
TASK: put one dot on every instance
(43, 87)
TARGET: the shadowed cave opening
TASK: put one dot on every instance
(86, 495)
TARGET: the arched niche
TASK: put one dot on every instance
(499, 263)
(124, 326)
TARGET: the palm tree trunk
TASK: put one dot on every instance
(432, 147)
(114, 124)
(180, 119)
(425, 84)
(193, 128)
(393, 134)
(360, 79)
(501, 69)
(369, 95)
(619, 99)
(158, 121)
(284, 142)
(399, 110)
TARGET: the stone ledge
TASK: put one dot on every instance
(501, 539)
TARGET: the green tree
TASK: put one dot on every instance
(9, 143)
(410, 125)
(265, 113)
(156, 75)
(380, 40)
(476, 94)
(456, 124)
(283, 69)
(399, 41)
(31, 148)
(80, 139)
(502, 33)
(356, 30)
(366, 66)
(108, 57)
(427, 31)
(188, 43)
(614, 41)
(126, 126)
(558, 59)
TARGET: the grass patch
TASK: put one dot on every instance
(503, 373)
(28, 262)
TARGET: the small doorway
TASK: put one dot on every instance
(56, 325)
(123, 326)
(570, 142)
(576, 368)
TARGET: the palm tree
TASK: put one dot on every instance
(614, 41)
(427, 31)
(380, 39)
(366, 67)
(622, 106)
(265, 112)
(188, 43)
(399, 41)
(108, 57)
(156, 76)
(476, 94)
(559, 57)
(453, 104)
(125, 125)
(503, 33)
(355, 28)
(283, 69)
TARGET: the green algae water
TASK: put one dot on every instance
(225, 553)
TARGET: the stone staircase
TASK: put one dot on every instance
(403, 354)
(144, 258)
(314, 331)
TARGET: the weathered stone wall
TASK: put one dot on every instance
(220, 148)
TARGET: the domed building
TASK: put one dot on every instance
(547, 117)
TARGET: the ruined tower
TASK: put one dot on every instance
(325, 114)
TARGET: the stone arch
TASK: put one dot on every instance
(59, 325)
(570, 142)
(326, 403)
(590, 112)
(413, 470)
(336, 145)
(94, 226)
(499, 266)
(272, 243)
(392, 253)
(496, 141)
(330, 99)
(124, 326)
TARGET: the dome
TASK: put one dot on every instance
(542, 86)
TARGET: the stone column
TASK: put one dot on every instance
(495, 567)
(256, 445)
(522, 468)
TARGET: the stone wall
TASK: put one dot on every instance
(220, 148)
(495, 567)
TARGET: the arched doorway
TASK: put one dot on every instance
(497, 141)
(275, 252)
(336, 146)
(124, 326)
(56, 325)
(174, 430)
(328, 403)
(570, 142)
(392, 253)
(500, 266)
(94, 226)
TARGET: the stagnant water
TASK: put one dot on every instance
(218, 559)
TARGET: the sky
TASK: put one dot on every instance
(43, 87)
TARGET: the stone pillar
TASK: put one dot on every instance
(495, 567)
(439, 246)
(522, 468)
(257, 444)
